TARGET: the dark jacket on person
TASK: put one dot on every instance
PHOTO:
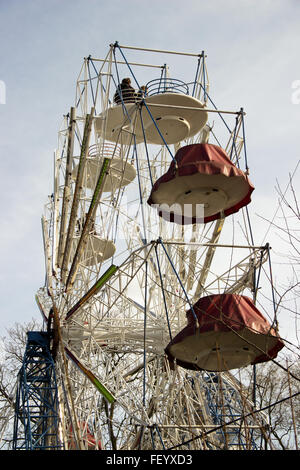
(124, 92)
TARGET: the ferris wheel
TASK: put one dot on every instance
(152, 272)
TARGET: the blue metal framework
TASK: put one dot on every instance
(36, 413)
(225, 406)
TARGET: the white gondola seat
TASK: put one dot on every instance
(98, 249)
(121, 173)
(231, 333)
(201, 185)
(165, 118)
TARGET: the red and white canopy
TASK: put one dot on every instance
(231, 333)
(201, 185)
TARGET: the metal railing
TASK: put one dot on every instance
(166, 85)
(154, 87)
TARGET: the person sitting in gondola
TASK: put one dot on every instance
(125, 92)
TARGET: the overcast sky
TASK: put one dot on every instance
(253, 62)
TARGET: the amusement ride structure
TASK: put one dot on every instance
(151, 303)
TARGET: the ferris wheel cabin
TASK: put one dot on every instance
(166, 114)
(201, 185)
(224, 332)
(121, 172)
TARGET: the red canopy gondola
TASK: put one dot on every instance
(231, 333)
(201, 185)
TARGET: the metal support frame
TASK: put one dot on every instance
(36, 415)
(225, 405)
(100, 301)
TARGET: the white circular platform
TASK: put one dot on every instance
(121, 174)
(221, 351)
(97, 249)
(169, 117)
(214, 193)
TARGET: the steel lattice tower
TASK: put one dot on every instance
(36, 414)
